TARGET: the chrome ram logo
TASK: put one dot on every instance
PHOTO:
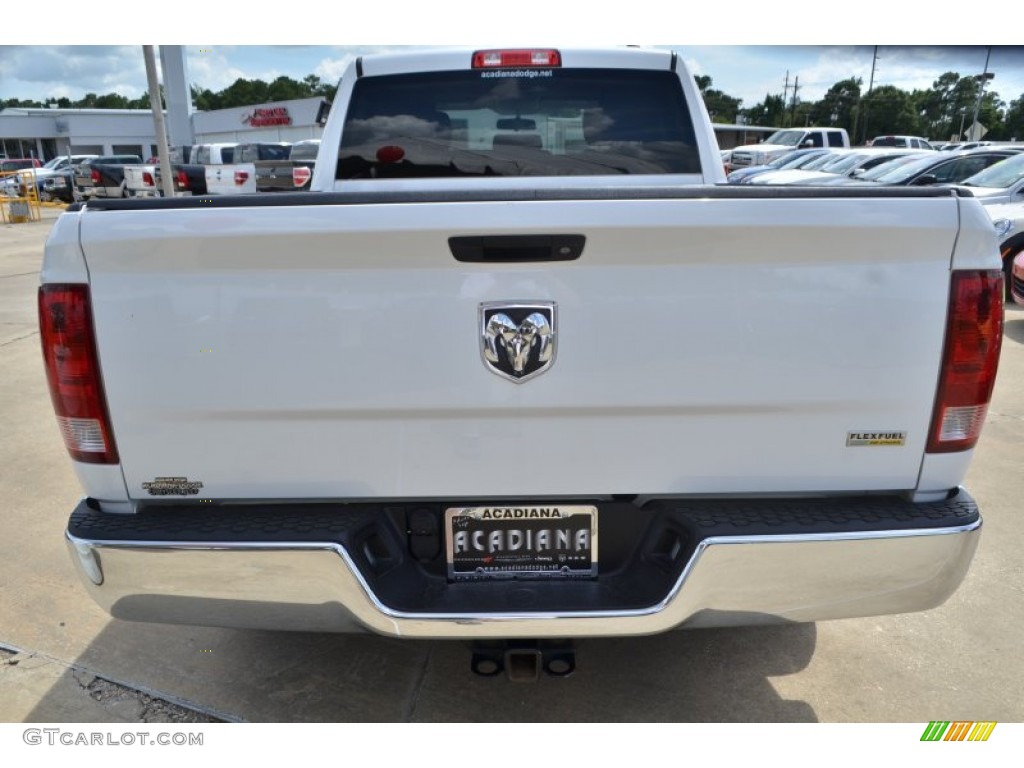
(518, 339)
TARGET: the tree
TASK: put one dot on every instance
(1013, 121)
(111, 101)
(839, 105)
(284, 89)
(891, 110)
(768, 112)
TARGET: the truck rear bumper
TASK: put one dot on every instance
(723, 579)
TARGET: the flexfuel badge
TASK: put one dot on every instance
(875, 438)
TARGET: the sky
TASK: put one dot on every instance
(729, 46)
(746, 72)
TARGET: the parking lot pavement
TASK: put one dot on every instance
(960, 661)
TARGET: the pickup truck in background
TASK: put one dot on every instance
(103, 176)
(293, 174)
(520, 367)
(781, 142)
(189, 177)
(54, 167)
(256, 167)
(250, 160)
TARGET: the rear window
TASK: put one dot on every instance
(250, 153)
(557, 122)
(305, 152)
(889, 141)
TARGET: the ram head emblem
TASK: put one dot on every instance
(518, 340)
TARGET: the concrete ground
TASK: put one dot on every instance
(69, 662)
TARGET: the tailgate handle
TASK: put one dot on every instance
(516, 249)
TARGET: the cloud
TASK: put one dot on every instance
(43, 71)
(331, 70)
(208, 67)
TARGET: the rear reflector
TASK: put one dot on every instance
(974, 333)
(300, 176)
(73, 373)
(517, 58)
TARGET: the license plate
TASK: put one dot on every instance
(499, 542)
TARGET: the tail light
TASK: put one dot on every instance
(974, 333)
(300, 176)
(182, 178)
(147, 179)
(241, 177)
(95, 176)
(73, 372)
(501, 59)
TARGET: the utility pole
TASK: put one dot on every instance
(785, 98)
(871, 84)
(792, 109)
(983, 78)
(163, 152)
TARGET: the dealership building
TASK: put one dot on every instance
(45, 133)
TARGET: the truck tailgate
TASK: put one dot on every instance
(330, 350)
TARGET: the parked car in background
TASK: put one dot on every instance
(189, 175)
(1008, 220)
(263, 155)
(933, 168)
(903, 142)
(1002, 183)
(1017, 279)
(781, 142)
(11, 185)
(239, 177)
(291, 175)
(846, 164)
(12, 164)
(795, 159)
(726, 159)
(59, 186)
(103, 176)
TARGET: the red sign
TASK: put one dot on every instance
(269, 116)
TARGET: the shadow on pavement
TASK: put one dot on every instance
(1013, 328)
(709, 675)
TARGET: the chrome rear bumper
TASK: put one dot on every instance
(726, 581)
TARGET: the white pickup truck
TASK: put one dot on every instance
(781, 142)
(520, 367)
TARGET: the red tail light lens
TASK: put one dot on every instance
(241, 177)
(518, 58)
(95, 176)
(73, 372)
(182, 179)
(147, 179)
(300, 176)
(974, 334)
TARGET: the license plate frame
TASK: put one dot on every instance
(550, 541)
